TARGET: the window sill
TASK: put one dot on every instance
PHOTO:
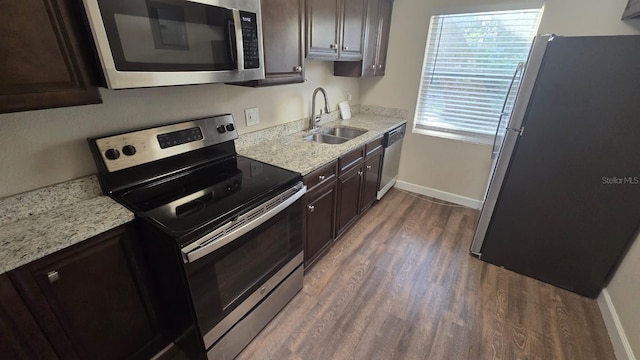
(463, 138)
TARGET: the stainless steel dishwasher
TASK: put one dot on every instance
(391, 160)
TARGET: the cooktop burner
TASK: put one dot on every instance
(209, 195)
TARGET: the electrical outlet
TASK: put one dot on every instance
(251, 116)
(349, 96)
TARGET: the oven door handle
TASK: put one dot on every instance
(205, 246)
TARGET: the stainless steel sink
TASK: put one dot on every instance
(335, 135)
(345, 132)
(326, 139)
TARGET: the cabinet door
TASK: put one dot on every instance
(371, 38)
(371, 180)
(322, 29)
(91, 301)
(45, 60)
(384, 28)
(320, 222)
(20, 336)
(353, 19)
(349, 186)
(283, 31)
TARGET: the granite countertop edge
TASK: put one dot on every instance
(34, 237)
(293, 153)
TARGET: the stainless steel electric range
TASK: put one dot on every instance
(222, 233)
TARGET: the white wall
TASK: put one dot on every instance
(462, 168)
(624, 294)
(449, 165)
(44, 147)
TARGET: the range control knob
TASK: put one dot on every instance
(229, 187)
(230, 127)
(129, 150)
(112, 154)
(221, 129)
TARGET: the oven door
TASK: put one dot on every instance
(228, 282)
(145, 43)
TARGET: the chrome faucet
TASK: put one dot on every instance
(315, 119)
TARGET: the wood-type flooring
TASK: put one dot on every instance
(400, 284)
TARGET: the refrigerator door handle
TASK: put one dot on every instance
(525, 91)
(496, 149)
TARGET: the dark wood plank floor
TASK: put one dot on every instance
(401, 285)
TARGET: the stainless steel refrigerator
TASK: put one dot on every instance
(563, 203)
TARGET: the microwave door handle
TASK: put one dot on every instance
(238, 39)
(231, 40)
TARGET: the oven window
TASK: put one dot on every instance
(169, 35)
(239, 271)
(222, 280)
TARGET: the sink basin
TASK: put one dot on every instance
(345, 132)
(335, 135)
(326, 139)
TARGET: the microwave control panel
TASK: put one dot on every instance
(249, 26)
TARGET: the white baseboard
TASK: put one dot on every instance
(617, 335)
(438, 194)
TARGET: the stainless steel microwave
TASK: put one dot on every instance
(146, 43)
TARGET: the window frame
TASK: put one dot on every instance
(460, 135)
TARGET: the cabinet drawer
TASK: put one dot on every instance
(350, 160)
(321, 175)
(373, 147)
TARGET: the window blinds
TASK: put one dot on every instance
(469, 65)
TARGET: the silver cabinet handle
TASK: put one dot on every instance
(312, 208)
(379, 66)
(321, 177)
(333, 46)
(345, 48)
(368, 167)
(53, 276)
(360, 172)
(297, 69)
(373, 67)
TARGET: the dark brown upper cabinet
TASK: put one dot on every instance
(47, 56)
(335, 29)
(377, 27)
(283, 39)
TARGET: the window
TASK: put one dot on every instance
(469, 65)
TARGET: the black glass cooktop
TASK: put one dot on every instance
(198, 201)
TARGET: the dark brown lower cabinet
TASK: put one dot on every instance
(349, 190)
(358, 183)
(320, 221)
(20, 336)
(91, 299)
(371, 179)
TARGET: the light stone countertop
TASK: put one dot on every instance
(293, 153)
(41, 222)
